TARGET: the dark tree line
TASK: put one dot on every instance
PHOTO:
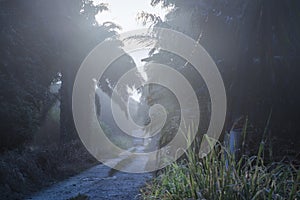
(42, 42)
(256, 46)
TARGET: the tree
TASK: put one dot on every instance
(26, 73)
(40, 41)
(255, 45)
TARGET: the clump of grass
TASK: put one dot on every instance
(220, 176)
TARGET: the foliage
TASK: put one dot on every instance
(25, 75)
(22, 173)
(255, 45)
(219, 176)
(41, 42)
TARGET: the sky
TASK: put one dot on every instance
(124, 13)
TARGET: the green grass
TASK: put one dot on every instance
(220, 176)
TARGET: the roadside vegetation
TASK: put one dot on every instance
(23, 172)
(220, 175)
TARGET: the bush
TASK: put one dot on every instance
(22, 173)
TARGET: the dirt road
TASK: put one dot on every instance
(99, 182)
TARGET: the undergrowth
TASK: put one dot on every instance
(25, 171)
(221, 176)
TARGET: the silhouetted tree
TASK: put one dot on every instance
(41, 42)
(255, 45)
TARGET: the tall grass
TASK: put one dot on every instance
(220, 176)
